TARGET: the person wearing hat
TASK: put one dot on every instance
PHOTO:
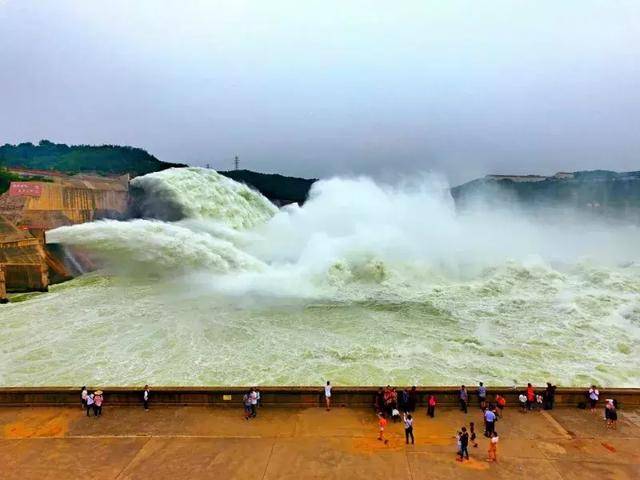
(97, 403)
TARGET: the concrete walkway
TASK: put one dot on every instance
(200, 442)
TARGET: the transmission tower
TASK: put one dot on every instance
(236, 162)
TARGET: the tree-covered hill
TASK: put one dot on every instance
(104, 159)
(600, 192)
(277, 188)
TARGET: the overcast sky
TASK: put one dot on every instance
(316, 88)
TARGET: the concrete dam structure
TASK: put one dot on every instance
(30, 208)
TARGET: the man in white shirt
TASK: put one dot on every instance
(145, 398)
(489, 423)
(327, 395)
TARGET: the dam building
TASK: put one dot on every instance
(30, 208)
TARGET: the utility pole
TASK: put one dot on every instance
(236, 162)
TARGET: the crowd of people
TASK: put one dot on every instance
(92, 402)
(400, 405)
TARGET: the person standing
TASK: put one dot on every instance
(89, 404)
(464, 444)
(378, 401)
(610, 413)
(413, 399)
(464, 398)
(472, 430)
(431, 406)
(327, 395)
(493, 447)
(246, 401)
(522, 398)
(98, 399)
(482, 396)
(408, 428)
(254, 402)
(145, 398)
(489, 422)
(403, 401)
(84, 393)
(594, 395)
(531, 396)
(550, 396)
(500, 402)
(382, 424)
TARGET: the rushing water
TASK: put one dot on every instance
(365, 284)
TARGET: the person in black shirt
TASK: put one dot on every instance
(549, 396)
(413, 399)
(464, 444)
(379, 401)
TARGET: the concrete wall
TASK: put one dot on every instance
(283, 396)
(3, 287)
(26, 277)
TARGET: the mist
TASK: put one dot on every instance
(354, 237)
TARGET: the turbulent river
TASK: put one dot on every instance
(364, 284)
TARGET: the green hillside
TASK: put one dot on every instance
(103, 159)
(277, 188)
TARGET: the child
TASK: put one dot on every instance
(472, 429)
(382, 423)
(523, 402)
(395, 415)
(493, 448)
(458, 445)
(539, 401)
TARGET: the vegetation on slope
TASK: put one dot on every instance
(604, 192)
(277, 188)
(104, 159)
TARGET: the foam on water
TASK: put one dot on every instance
(365, 284)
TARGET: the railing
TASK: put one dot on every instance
(287, 396)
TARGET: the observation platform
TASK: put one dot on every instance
(173, 441)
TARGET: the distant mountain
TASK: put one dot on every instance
(103, 159)
(277, 188)
(599, 192)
